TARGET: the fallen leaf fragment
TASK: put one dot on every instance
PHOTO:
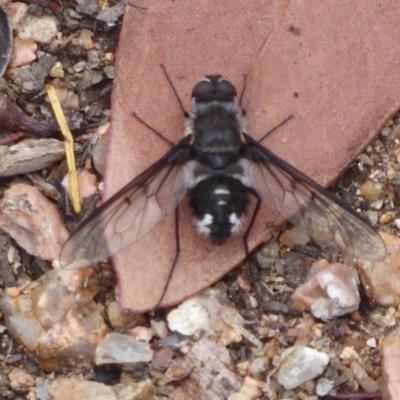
(10, 138)
(33, 221)
(31, 155)
(12, 118)
(295, 55)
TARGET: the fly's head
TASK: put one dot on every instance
(213, 88)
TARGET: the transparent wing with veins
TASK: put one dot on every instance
(306, 204)
(131, 213)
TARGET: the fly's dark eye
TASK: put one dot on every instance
(203, 88)
(214, 88)
(226, 88)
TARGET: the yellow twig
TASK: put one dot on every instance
(69, 147)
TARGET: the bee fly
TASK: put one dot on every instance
(219, 166)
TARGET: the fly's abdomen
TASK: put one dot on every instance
(219, 204)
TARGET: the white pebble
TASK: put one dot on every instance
(300, 364)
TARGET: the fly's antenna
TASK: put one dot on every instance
(185, 113)
(242, 92)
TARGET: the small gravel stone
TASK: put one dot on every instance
(381, 279)
(40, 29)
(300, 364)
(16, 11)
(368, 384)
(57, 70)
(259, 365)
(162, 358)
(20, 379)
(117, 348)
(87, 7)
(372, 191)
(384, 318)
(24, 52)
(293, 236)
(33, 221)
(84, 39)
(331, 291)
(372, 216)
(117, 318)
(324, 386)
(141, 333)
(109, 71)
(74, 389)
(385, 218)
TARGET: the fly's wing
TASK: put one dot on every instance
(132, 212)
(306, 204)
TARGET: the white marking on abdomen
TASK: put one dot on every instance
(236, 223)
(203, 225)
(222, 191)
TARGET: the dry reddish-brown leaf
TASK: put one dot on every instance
(333, 66)
(13, 118)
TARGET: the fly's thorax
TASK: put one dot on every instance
(217, 133)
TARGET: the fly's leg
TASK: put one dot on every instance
(158, 134)
(174, 262)
(185, 113)
(251, 261)
(276, 127)
(266, 304)
(244, 111)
